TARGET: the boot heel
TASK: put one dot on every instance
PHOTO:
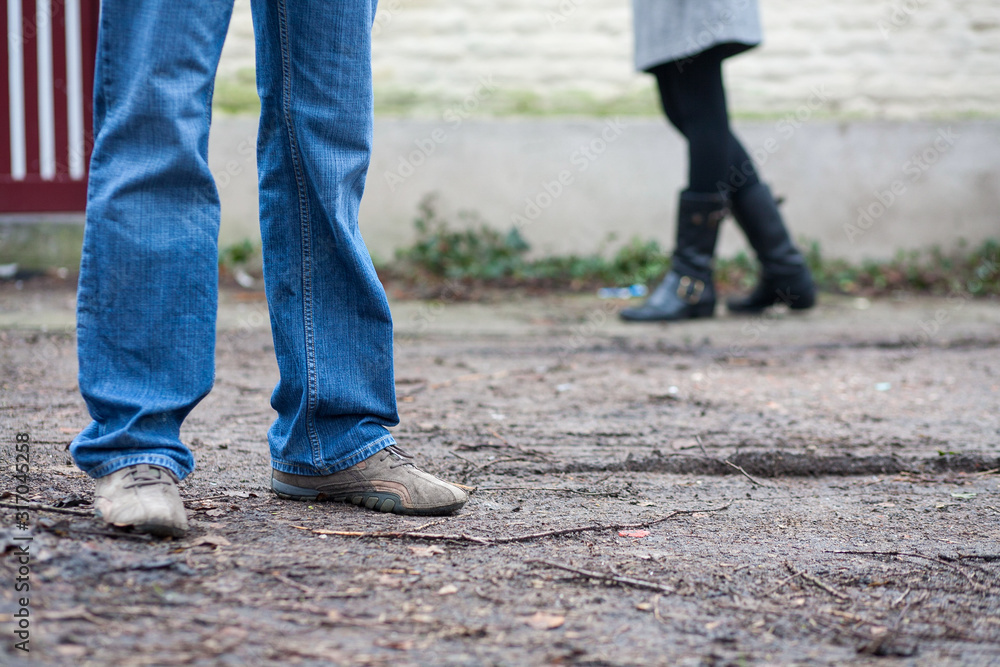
(706, 309)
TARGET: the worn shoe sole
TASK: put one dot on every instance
(155, 529)
(373, 500)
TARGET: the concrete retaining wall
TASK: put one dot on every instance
(862, 189)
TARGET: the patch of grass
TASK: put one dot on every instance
(407, 102)
(238, 254)
(237, 94)
(478, 254)
(973, 271)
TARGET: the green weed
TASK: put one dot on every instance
(478, 254)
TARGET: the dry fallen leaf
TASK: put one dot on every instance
(633, 533)
(541, 620)
(448, 589)
(212, 541)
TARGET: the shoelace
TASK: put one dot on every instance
(398, 453)
(144, 475)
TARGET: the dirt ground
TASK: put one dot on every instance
(786, 490)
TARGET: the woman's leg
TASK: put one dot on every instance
(695, 102)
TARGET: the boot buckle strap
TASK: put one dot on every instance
(713, 218)
(690, 289)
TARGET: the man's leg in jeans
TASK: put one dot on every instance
(148, 278)
(329, 316)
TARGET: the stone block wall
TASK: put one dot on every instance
(897, 59)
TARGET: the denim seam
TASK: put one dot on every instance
(343, 463)
(105, 84)
(114, 465)
(311, 384)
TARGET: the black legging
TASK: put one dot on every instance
(694, 100)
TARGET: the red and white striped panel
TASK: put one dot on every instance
(46, 84)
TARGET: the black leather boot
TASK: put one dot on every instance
(785, 278)
(687, 291)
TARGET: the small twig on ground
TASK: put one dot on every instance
(428, 525)
(605, 576)
(817, 582)
(499, 437)
(45, 508)
(469, 461)
(462, 537)
(503, 459)
(74, 614)
(744, 473)
(479, 467)
(609, 494)
(780, 584)
(191, 501)
(308, 590)
(883, 645)
(587, 529)
(697, 439)
(727, 462)
(968, 577)
(404, 534)
(523, 450)
(478, 446)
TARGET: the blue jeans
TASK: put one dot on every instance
(148, 288)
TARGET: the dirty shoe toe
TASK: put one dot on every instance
(144, 497)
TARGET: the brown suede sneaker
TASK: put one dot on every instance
(386, 481)
(142, 496)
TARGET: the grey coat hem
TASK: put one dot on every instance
(669, 30)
